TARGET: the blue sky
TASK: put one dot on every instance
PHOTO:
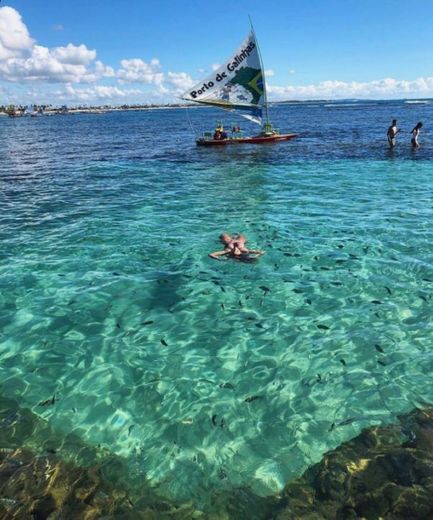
(99, 51)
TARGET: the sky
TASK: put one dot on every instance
(97, 52)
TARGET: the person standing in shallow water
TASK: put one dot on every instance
(415, 134)
(392, 133)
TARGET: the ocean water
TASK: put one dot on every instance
(207, 375)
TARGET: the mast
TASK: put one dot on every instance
(265, 96)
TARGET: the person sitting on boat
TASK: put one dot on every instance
(236, 129)
(223, 134)
(217, 135)
(235, 249)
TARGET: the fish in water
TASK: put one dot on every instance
(163, 342)
(343, 362)
(215, 421)
(323, 327)
(253, 398)
(48, 402)
(388, 289)
(227, 385)
(264, 289)
(149, 322)
(376, 302)
(379, 348)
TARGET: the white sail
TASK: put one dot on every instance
(237, 85)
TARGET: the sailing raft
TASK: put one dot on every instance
(238, 85)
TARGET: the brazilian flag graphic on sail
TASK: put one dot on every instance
(251, 80)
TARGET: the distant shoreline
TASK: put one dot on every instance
(36, 110)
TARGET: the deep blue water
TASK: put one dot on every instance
(205, 374)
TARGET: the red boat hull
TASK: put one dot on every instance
(245, 140)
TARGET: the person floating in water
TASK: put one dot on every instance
(415, 134)
(235, 248)
(392, 133)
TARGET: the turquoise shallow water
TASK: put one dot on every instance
(207, 375)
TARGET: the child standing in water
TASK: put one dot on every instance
(415, 134)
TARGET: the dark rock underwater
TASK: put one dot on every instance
(385, 473)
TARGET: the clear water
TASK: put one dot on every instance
(207, 375)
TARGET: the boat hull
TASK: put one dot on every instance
(245, 140)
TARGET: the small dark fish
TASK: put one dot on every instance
(116, 274)
(251, 318)
(337, 284)
(340, 261)
(222, 288)
(296, 290)
(48, 402)
(253, 398)
(340, 246)
(222, 306)
(388, 289)
(215, 421)
(264, 289)
(324, 268)
(229, 386)
(323, 327)
(379, 348)
(288, 254)
(118, 325)
(131, 428)
(308, 301)
(149, 322)
(332, 427)
(222, 474)
(52, 451)
(381, 363)
(240, 303)
(259, 325)
(427, 280)
(347, 421)
(343, 362)
(318, 378)
(423, 297)
(163, 342)
(354, 257)
(376, 302)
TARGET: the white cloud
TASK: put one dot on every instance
(74, 55)
(291, 71)
(14, 36)
(103, 70)
(95, 93)
(138, 71)
(180, 80)
(386, 88)
(269, 73)
(57, 27)
(216, 66)
(61, 64)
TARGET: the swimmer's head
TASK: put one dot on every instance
(225, 239)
